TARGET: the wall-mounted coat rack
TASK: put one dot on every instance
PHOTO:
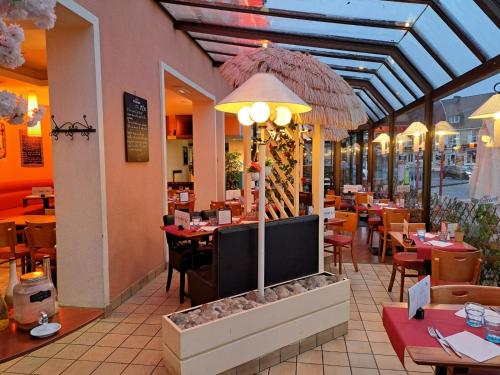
(70, 128)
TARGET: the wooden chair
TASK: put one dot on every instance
(338, 241)
(451, 268)
(217, 205)
(360, 200)
(41, 240)
(9, 247)
(236, 208)
(404, 261)
(50, 211)
(389, 216)
(459, 294)
(184, 206)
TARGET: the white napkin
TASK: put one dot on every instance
(474, 346)
(200, 223)
(487, 312)
(440, 243)
(430, 235)
(208, 228)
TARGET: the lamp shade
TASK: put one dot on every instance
(262, 88)
(36, 130)
(415, 128)
(382, 138)
(444, 128)
(489, 109)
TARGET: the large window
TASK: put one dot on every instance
(461, 163)
(409, 145)
(380, 161)
(364, 153)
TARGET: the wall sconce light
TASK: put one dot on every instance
(383, 139)
(491, 110)
(486, 139)
(36, 130)
(416, 129)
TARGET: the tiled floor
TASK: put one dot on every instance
(128, 341)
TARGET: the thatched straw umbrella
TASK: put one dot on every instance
(334, 103)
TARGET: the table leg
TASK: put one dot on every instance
(427, 267)
(441, 370)
(45, 202)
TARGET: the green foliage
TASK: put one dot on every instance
(233, 170)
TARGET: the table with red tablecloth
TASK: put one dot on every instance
(412, 335)
(424, 249)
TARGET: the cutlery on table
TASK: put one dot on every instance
(447, 343)
(433, 333)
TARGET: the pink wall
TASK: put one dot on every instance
(135, 36)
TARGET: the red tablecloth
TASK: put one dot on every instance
(424, 250)
(377, 208)
(403, 332)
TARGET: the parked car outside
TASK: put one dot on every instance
(456, 172)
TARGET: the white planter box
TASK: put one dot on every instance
(225, 343)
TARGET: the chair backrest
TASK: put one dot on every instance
(395, 215)
(171, 193)
(186, 206)
(412, 227)
(216, 205)
(40, 235)
(235, 208)
(456, 266)
(335, 200)
(50, 211)
(8, 236)
(361, 197)
(459, 294)
(384, 200)
(207, 214)
(351, 223)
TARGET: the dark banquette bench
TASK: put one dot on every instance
(291, 252)
(12, 194)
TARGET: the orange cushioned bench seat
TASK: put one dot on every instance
(12, 194)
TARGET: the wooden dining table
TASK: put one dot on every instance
(411, 335)
(45, 199)
(37, 219)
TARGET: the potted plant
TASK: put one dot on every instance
(269, 165)
(233, 170)
(254, 169)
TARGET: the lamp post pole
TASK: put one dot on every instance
(441, 164)
(262, 207)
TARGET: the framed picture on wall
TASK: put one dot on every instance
(185, 155)
(31, 149)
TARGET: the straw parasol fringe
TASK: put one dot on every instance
(334, 103)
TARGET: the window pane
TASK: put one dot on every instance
(376, 110)
(384, 91)
(477, 25)
(462, 167)
(405, 77)
(380, 164)
(395, 85)
(224, 48)
(364, 177)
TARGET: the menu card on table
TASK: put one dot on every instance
(224, 217)
(419, 295)
(329, 212)
(405, 228)
(182, 218)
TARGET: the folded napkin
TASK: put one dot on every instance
(474, 346)
(208, 228)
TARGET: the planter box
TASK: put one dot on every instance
(225, 343)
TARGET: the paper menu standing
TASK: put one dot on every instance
(224, 217)
(329, 213)
(182, 218)
(419, 295)
(405, 228)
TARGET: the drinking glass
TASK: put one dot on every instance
(492, 325)
(421, 234)
(474, 314)
(196, 220)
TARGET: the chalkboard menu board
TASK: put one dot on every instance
(136, 128)
(31, 150)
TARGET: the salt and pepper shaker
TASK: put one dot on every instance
(44, 318)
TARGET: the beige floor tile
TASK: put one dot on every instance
(147, 330)
(125, 328)
(356, 324)
(336, 370)
(148, 357)
(125, 308)
(362, 360)
(384, 348)
(4, 366)
(146, 309)
(356, 336)
(309, 369)
(335, 359)
(72, 351)
(136, 318)
(337, 345)
(371, 316)
(138, 370)
(367, 308)
(388, 362)
(159, 371)
(156, 300)
(392, 372)
(103, 327)
(88, 338)
(311, 356)
(27, 365)
(123, 355)
(364, 300)
(154, 319)
(373, 326)
(97, 353)
(112, 339)
(359, 347)
(411, 366)
(69, 338)
(138, 342)
(364, 371)
(110, 369)
(53, 366)
(115, 317)
(81, 368)
(48, 351)
(374, 336)
(284, 368)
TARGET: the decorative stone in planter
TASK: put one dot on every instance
(227, 333)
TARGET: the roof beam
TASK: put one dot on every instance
(431, 51)
(348, 44)
(332, 54)
(364, 83)
(291, 14)
(366, 104)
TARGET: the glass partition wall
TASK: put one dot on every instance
(380, 161)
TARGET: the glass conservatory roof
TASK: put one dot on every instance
(391, 52)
